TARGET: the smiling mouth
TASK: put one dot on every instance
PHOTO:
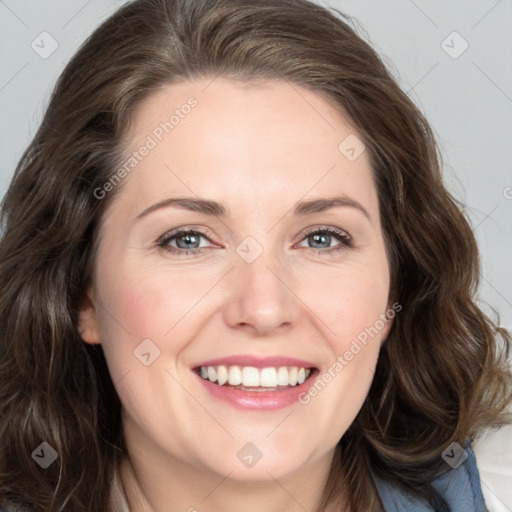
(250, 378)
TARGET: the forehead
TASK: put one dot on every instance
(245, 145)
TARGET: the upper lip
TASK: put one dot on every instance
(257, 362)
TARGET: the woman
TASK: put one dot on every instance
(232, 278)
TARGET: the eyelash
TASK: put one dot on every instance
(344, 239)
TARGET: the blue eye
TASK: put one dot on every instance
(325, 236)
(188, 241)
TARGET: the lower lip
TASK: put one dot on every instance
(258, 400)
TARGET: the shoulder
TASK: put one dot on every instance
(460, 486)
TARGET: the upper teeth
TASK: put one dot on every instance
(255, 377)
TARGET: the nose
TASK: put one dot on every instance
(261, 298)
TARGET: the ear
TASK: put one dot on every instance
(87, 318)
(386, 329)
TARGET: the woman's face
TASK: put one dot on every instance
(257, 291)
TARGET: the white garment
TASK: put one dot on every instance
(117, 495)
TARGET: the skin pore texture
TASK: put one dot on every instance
(258, 151)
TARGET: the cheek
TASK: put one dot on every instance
(147, 302)
(351, 313)
(349, 301)
(155, 303)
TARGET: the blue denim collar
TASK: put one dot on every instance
(460, 487)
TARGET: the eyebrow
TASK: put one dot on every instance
(213, 208)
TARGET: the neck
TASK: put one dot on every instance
(178, 486)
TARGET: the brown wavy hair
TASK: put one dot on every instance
(442, 374)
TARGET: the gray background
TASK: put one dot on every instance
(467, 99)
(466, 96)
